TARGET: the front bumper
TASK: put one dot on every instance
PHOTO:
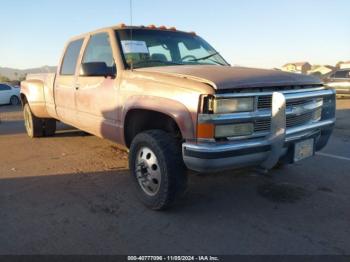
(207, 157)
(266, 151)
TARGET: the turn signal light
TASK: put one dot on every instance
(205, 131)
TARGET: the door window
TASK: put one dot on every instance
(4, 87)
(71, 56)
(99, 50)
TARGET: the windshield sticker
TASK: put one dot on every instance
(132, 47)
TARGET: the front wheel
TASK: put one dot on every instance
(157, 168)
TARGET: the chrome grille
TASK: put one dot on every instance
(262, 125)
(292, 121)
(309, 108)
(300, 102)
(265, 102)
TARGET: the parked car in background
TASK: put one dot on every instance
(9, 95)
(340, 81)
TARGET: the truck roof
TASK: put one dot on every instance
(124, 26)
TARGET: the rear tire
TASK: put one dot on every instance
(33, 124)
(157, 168)
(38, 127)
(49, 127)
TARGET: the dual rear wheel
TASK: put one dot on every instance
(38, 127)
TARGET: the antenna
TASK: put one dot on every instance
(131, 38)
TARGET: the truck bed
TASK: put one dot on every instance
(41, 96)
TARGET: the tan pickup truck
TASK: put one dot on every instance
(175, 103)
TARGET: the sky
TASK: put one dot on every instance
(255, 33)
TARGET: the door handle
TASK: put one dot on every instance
(77, 87)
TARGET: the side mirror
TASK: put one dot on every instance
(96, 69)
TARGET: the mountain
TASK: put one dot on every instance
(15, 74)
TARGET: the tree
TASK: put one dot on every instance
(4, 79)
(339, 64)
(22, 78)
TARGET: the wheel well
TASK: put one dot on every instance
(140, 120)
(23, 99)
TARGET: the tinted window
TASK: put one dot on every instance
(71, 57)
(341, 74)
(4, 87)
(99, 50)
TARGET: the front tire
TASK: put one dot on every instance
(157, 168)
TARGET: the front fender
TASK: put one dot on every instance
(174, 109)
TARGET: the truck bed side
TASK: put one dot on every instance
(38, 91)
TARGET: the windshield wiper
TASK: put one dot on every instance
(207, 58)
(157, 61)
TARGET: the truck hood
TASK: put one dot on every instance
(227, 77)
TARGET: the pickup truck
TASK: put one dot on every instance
(174, 103)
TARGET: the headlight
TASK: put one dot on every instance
(234, 130)
(233, 105)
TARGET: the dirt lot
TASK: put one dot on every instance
(71, 194)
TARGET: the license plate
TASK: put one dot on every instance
(304, 149)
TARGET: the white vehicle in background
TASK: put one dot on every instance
(9, 95)
(340, 81)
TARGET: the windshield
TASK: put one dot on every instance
(149, 48)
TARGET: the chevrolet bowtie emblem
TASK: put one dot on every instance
(298, 110)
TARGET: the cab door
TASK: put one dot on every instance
(65, 83)
(96, 94)
(5, 94)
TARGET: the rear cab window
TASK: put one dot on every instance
(70, 59)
